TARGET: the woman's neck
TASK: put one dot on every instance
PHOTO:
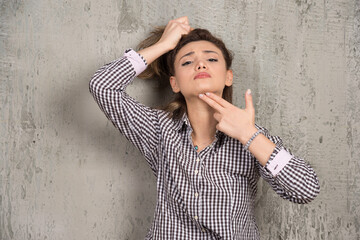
(201, 117)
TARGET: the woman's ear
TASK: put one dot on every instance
(174, 84)
(229, 78)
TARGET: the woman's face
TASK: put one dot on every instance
(199, 68)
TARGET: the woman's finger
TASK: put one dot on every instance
(186, 27)
(218, 99)
(248, 101)
(217, 116)
(183, 19)
(211, 103)
(175, 24)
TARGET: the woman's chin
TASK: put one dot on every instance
(211, 90)
(202, 90)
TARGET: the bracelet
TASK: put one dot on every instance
(252, 138)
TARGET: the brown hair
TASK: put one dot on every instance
(163, 67)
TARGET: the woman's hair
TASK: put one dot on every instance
(163, 67)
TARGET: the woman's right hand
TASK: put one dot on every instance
(173, 32)
(169, 39)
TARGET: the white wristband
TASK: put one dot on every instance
(252, 138)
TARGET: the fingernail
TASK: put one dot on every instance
(201, 95)
(248, 91)
(208, 94)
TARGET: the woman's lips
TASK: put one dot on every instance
(202, 75)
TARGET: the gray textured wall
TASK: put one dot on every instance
(66, 173)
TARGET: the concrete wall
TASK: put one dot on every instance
(66, 173)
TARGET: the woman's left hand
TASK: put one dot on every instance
(233, 121)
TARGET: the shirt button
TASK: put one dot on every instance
(196, 194)
(196, 217)
(198, 159)
(203, 230)
(196, 171)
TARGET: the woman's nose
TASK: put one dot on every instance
(201, 65)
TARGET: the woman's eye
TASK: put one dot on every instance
(186, 63)
(213, 60)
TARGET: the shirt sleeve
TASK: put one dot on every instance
(137, 122)
(289, 176)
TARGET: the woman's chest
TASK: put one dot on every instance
(224, 157)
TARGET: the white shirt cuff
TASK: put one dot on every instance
(138, 62)
(279, 162)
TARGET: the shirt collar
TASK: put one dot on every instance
(184, 124)
(184, 120)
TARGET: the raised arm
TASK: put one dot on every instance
(137, 122)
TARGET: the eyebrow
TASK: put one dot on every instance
(192, 52)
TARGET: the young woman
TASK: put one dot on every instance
(206, 153)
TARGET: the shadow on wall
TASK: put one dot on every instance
(84, 129)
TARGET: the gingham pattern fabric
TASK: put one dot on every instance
(200, 195)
